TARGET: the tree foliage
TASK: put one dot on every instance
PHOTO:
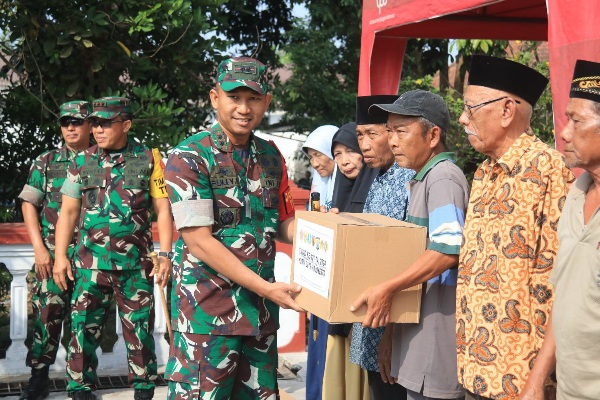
(426, 57)
(162, 55)
(323, 51)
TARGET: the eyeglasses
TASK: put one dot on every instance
(65, 122)
(468, 109)
(105, 123)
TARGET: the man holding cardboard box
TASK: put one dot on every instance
(423, 355)
(387, 196)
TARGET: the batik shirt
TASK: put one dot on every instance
(115, 189)
(510, 242)
(46, 177)
(243, 198)
(387, 196)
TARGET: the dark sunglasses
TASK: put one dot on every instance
(65, 122)
(104, 123)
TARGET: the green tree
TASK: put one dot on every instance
(322, 52)
(426, 57)
(162, 55)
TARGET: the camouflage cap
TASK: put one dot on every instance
(76, 109)
(110, 107)
(236, 72)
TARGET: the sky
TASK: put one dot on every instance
(299, 10)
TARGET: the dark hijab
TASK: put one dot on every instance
(350, 194)
(346, 135)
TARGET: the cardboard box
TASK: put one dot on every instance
(338, 256)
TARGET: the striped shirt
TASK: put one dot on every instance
(424, 354)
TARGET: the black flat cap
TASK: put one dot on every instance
(508, 76)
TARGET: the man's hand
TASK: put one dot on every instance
(164, 271)
(43, 263)
(379, 304)
(545, 363)
(384, 356)
(62, 269)
(532, 391)
(281, 294)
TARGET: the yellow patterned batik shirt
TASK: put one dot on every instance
(503, 295)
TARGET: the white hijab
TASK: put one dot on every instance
(320, 140)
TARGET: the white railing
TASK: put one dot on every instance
(19, 258)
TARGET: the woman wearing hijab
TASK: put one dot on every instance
(349, 161)
(318, 148)
(346, 191)
(343, 380)
(352, 181)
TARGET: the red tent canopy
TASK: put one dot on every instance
(570, 26)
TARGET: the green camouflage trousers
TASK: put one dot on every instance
(50, 309)
(211, 367)
(90, 304)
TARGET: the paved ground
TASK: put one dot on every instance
(294, 384)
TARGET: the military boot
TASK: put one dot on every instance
(38, 385)
(82, 395)
(140, 394)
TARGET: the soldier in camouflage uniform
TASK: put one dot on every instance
(109, 191)
(230, 199)
(41, 203)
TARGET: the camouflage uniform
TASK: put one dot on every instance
(221, 329)
(112, 256)
(50, 303)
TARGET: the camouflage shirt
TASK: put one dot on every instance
(115, 190)
(243, 196)
(46, 177)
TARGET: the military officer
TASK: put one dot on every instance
(230, 198)
(110, 189)
(41, 204)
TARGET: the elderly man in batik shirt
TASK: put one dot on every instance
(510, 240)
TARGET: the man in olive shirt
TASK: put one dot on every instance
(572, 338)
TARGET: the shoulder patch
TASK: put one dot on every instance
(187, 154)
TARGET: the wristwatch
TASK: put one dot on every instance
(168, 254)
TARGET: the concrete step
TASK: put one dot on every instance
(292, 370)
